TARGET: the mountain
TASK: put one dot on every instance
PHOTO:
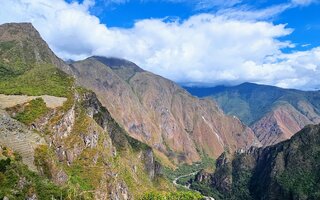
(178, 126)
(57, 141)
(287, 170)
(273, 113)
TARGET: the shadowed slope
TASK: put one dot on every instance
(155, 110)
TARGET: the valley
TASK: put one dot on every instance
(104, 128)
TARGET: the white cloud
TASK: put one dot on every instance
(247, 13)
(304, 2)
(204, 48)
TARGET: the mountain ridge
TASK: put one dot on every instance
(146, 105)
(270, 111)
(287, 170)
(83, 153)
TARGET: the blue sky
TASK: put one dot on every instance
(306, 24)
(207, 42)
(305, 20)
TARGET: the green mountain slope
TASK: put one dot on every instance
(27, 65)
(288, 170)
(77, 151)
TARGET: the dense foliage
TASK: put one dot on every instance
(17, 182)
(32, 111)
(288, 170)
(205, 163)
(172, 196)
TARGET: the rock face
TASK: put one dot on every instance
(281, 124)
(18, 137)
(274, 114)
(287, 170)
(25, 35)
(76, 148)
(154, 110)
(97, 138)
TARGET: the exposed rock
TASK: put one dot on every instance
(32, 197)
(287, 170)
(60, 177)
(281, 124)
(21, 32)
(88, 152)
(19, 138)
(91, 140)
(153, 167)
(64, 126)
(22, 183)
(203, 177)
(157, 111)
(274, 114)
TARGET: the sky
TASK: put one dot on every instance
(194, 42)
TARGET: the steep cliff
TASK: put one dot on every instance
(273, 113)
(180, 127)
(75, 147)
(288, 170)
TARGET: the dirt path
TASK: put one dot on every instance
(188, 186)
(7, 101)
(182, 176)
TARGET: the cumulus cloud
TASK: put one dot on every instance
(206, 48)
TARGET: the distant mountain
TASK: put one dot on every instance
(273, 113)
(114, 129)
(180, 127)
(289, 170)
(75, 150)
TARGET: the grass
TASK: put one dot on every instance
(22, 72)
(25, 68)
(172, 196)
(40, 80)
(205, 163)
(17, 182)
(35, 109)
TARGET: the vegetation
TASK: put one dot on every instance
(27, 67)
(205, 163)
(172, 196)
(27, 70)
(35, 109)
(288, 170)
(207, 190)
(17, 182)
(41, 79)
(250, 102)
(301, 183)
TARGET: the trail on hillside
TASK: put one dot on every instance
(182, 176)
(188, 186)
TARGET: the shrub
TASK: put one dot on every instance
(34, 110)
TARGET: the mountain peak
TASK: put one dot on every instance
(123, 68)
(248, 84)
(117, 63)
(23, 42)
(18, 31)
